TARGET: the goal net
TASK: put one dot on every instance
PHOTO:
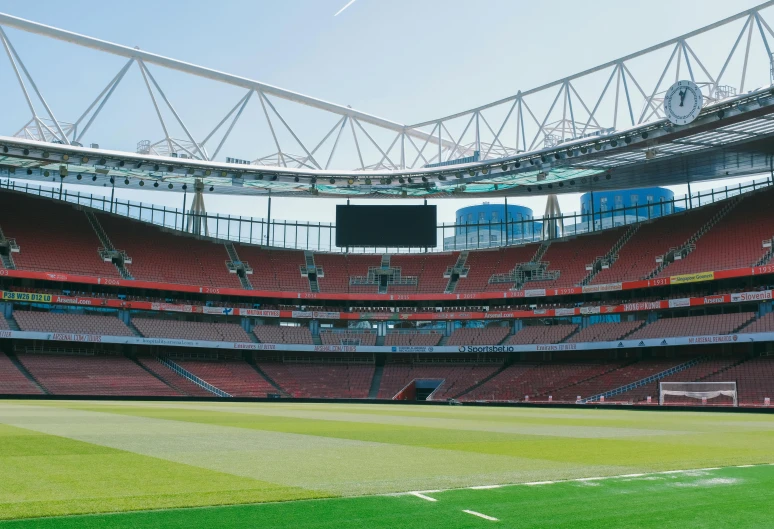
(704, 391)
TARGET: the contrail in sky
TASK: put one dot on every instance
(346, 6)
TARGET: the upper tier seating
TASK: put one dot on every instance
(763, 324)
(348, 338)
(415, 339)
(541, 334)
(93, 375)
(754, 380)
(167, 257)
(524, 379)
(735, 242)
(571, 257)
(322, 381)
(71, 323)
(693, 326)
(52, 236)
(507, 260)
(482, 265)
(281, 334)
(456, 378)
(190, 330)
(606, 332)
(637, 258)
(13, 381)
(478, 336)
(237, 378)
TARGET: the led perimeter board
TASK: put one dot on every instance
(386, 226)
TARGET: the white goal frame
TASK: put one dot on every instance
(697, 390)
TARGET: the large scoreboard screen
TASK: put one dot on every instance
(386, 226)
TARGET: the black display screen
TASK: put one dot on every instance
(386, 226)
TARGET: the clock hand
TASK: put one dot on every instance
(682, 96)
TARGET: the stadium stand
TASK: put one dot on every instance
(52, 236)
(762, 324)
(637, 258)
(4, 324)
(542, 334)
(700, 371)
(693, 326)
(348, 338)
(571, 257)
(71, 323)
(606, 332)
(282, 334)
(478, 336)
(456, 377)
(168, 258)
(93, 375)
(614, 379)
(482, 264)
(172, 379)
(735, 242)
(190, 330)
(415, 339)
(520, 380)
(13, 381)
(349, 381)
(235, 377)
(508, 259)
(754, 379)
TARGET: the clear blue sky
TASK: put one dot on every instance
(406, 60)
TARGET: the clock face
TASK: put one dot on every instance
(682, 102)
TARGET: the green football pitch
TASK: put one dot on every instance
(287, 465)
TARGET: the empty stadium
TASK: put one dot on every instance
(179, 366)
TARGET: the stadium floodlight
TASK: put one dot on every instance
(65, 157)
(350, 181)
(94, 178)
(5, 148)
(142, 183)
(126, 181)
(45, 154)
(170, 186)
(296, 179)
(102, 161)
(368, 181)
(155, 184)
(424, 179)
(697, 390)
(212, 188)
(46, 173)
(26, 152)
(29, 172)
(332, 181)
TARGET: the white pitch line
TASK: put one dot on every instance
(420, 493)
(422, 496)
(484, 516)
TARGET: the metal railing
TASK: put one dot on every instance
(320, 236)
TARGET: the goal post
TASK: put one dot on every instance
(705, 391)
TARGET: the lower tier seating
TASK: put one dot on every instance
(93, 375)
(348, 381)
(537, 381)
(754, 380)
(172, 379)
(456, 378)
(71, 323)
(13, 381)
(237, 378)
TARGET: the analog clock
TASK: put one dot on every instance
(682, 102)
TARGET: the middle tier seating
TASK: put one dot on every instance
(762, 324)
(93, 375)
(348, 338)
(693, 326)
(606, 332)
(478, 336)
(190, 330)
(235, 377)
(541, 334)
(282, 334)
(4, 324)
(71, 323)
(412, 339)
